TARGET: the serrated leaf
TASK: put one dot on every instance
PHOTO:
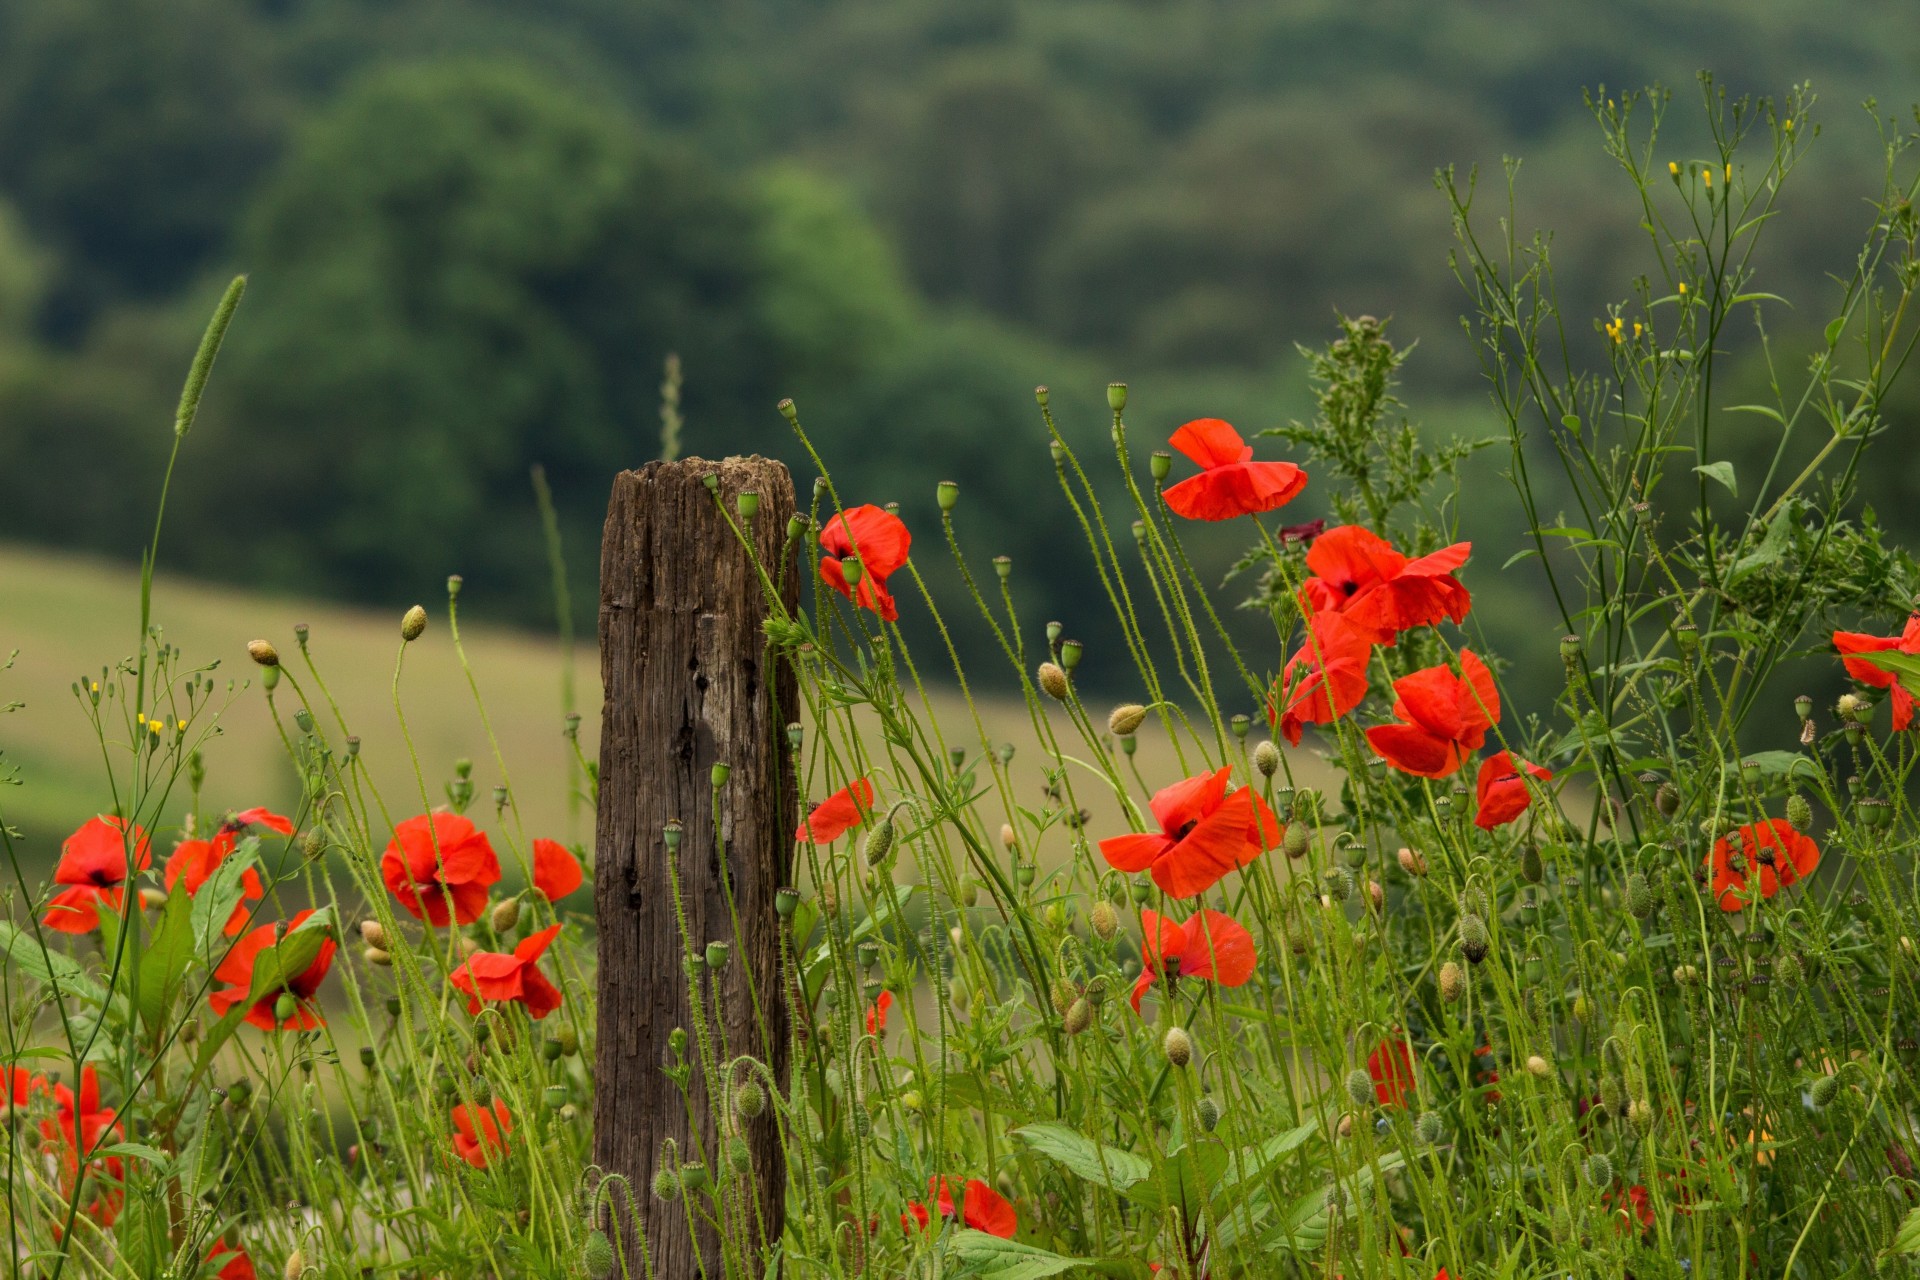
(1782, 764)
(23, 951)
(1907, 1238)
(1104, 1166)
(136, 1151)
(988, 1257)
(1905, 667)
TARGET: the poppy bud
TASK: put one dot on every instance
(285, 1006)
(1430, 1128)
(677, 1042)
(947, 494)
(1640, 1114)
(1160, 464)
(1104, 919)
(295, 1267)
(1209, 1112)
(1296, 839)
(1126, 718)
(1266, 758)
(1824, 1090)
(717, 954)
(505, 916)
(1599, 1170)
(665, 1186)
(1686, 975)
(747, 505)
(1079, 1016)
(1799, 813)
(1666, 798)
(1178, 1046)
(1538, 1067)
(1376, 896)
(412, 623)
(1532, 868)
(597, 1259)
(1053, 681)
(1360, 1088)
(377, 956)
(1473, 938)
(878, 842)
(749, 1100)
(1412, 863)
(1803, 707)
(1639, 896)
(263, 652)
(1339, 884)
(1070, 652)
(152, 897)
(1453, 981)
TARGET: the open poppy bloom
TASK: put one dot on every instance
(877, 1013)
(556, 872)
(1324, 680)
(237, 1265)
(1359, 573)
(838, 814)
(1204, 833)
(1391, 1066)
(1502, 789)
(1782, 855)
(1230, 482)
(80, 1124)
(236, 971)
(981, 1207)
(490, 975)
(481, 1132)
(1851, 643)
(93, 866)
(439, 867)
(1210, 946)
(879, 539)
(1444, 718)
(194, 860)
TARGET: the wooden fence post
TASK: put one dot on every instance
(688, 685)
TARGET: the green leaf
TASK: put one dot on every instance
(1904, 666)
(163, 962)
(218, 895)
(22, 951)
(1773, 545)
(272, 969)
(1104, 1166)
(1835, 327)
(1782, 764)
(1907, 1238)
(1721, 471)
(136, 1151)
(988, 1257)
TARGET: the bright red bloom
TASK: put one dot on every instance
(439, 867)
(480, 1132)
(1230, 482)
(490, 975)
(80, 1124)
(880, 541)
(1204, 833)
(1210, 946)
(1445, 718)
(982, 1208)
(1357, 572)
(1782, 854)
(1502, 790)
(839, 813)
(1634, 1203)
(93, 864)
(236, 971)
(194, 860)
(556, 872)
(1391, 1066)
(17, 1087)
(1324, 680)
(1863, 670)
(877, 1013)
(238, 1266)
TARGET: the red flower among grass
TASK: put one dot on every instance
(17, 1087)
(1444, 718)
(981, 1207)
(237, 1265)
(877, 1013)
(490, 975)
(880, 541)
(1230, 482)
(236, 971)
(1324, 680)
(838, 814)
(81, 1125)
(556, 872)
(481, 1132)
(1204, 833)
(1358, 573)
(1852, 643)
(439, 867)
(1391, 1066)
(1503, 794)
(93, 866)
(194, 860)
(1210, 946)
(1782, 855)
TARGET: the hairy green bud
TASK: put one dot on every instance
(1473, 938)
(1360, 1088)
(1178, 1046)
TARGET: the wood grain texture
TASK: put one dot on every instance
(688, 683)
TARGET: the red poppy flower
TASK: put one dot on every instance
(877, 1013)
(1782, 854)
(556, 872)
(479, 1132)
(1204, 834)
(1210, 946)
(1502, 790)
(1445, 718)
(1863, 670)
(439, 867)
(238, 1266)
(837, 814)
(1391, 1066)
(1486, 1077)
(880, 541)
(81, 1125)
(490, 975)
(93, 864)
(1359, 573)
(194, 860)
(1634, 1203)
(1324, 680)
(17, 1087)
(236, 971)
(982, 1208)
(1230, 482)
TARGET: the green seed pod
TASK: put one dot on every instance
(1339, 884)
(1639, 896)
(879, 841)
(717, 955)
(1799, 813)
(1824, 1090)
(1296, 840)
(1613, 1093)
(1430, 1128)
(749, 1099)
(665, 1186)
(1360, 1088)
(1599, 1170)
(1788, 970)
(597, 1259)
(1473, 938)
(1116, 396)
(1097, 991)
(1178, 1046)
(693, 1178)
(1209, 1113)
(1803, 707)
(1266, 758)
(285, 1006)
(739, 1155)
(1160, 464)
(786, 902)
(1126, 718)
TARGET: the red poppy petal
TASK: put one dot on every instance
(1218, 947)
(1852, 642)
(1352, 553)
(262, 817)
(880, 538)
(1190, 800)
(541, 997)
(1412, 749)
(1132, 853)
(1219, 843)
(985, 1209)
(1431, 698)
(837, 814)
(1210, 442)
(556, 872)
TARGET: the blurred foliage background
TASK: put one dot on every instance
(476, 229)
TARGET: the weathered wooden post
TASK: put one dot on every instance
(687, 686)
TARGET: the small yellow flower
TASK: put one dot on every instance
(1673, 168)
(96, 686)
(1708, 175)
(1683, 286)
(1729, 174)
(1788, 126)
(141, 718)
(1636, 330)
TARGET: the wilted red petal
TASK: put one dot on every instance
(838, 813)
(1502, 792)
